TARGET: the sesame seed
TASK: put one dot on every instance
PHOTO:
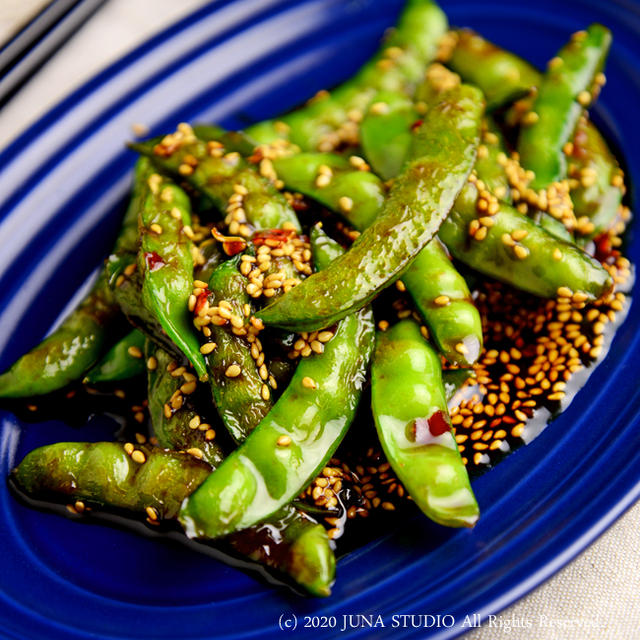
(442, 301)
(284, 441)
(308, 382)
(233, 371)
(134, 352)
(138, 456)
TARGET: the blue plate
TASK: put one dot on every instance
(62, 186)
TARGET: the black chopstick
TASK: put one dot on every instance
(32, 46)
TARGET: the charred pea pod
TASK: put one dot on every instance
(331, 119)
(385, 132)
(238, 380)
(177, 423)
(444, 301)
(165, 263)
(502, 76)
(410, 411)
(518, 251)
(213, 256)
(137, 478)
(249, 200)
(443, 154)
(289, 541)
(599, 182)
(124, 360)
(488, 166)
(77, 344)
(292, 443)
(567, 87)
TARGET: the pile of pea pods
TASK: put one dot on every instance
(230, 299)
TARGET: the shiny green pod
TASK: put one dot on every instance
(544, 263)
(410, 411)
(331, 118)
(165, 265)
(443, 154)
(569, 78)
(292, 443)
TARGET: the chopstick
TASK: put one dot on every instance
(32, 46)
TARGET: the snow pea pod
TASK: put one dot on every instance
(123, 361)
(443, 154)
(165, 264)
(250, 200)
(520, 252)
(566, 88)
(331, 119)
(291, 444)
(410, 411)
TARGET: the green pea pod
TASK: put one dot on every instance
(222, 176)
(443, 154)
(541, 265)
(166, 265)
(123, 361)
(292, 443)
(502, 76)
(453, 379)
(240, 399)
(331, 118)
(81, 339)
(412, 419)
(104, 473)
(443, 299)
(560, 102)
(510, 76)
(364, 190)
(213, 256)
(385, 133)
(173, 426)
(600, 187)
(488, 166)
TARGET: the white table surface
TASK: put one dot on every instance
(597, 596)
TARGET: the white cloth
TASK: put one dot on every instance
(598, 595)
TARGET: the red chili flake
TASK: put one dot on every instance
(416, 125)
(604, 248)
(279, 235)
(231, 245)
(298, 203)
(200, 300)
(154, 261)
(438, 424)
(426, 429)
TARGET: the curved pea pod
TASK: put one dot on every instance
(177, 424)
(502, 75)
(104, 473)
(600, 185)
(330, 119)
(242, 397)
(68, 352)
(442, 297)
(410, 411)
(533, 261)
(291, 444)
(123, 361)
(443, 154)
(385, 132)
(566, 88)
(250, 200)
(166, 266)
(364, 191)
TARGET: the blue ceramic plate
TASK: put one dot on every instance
(61, 188)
